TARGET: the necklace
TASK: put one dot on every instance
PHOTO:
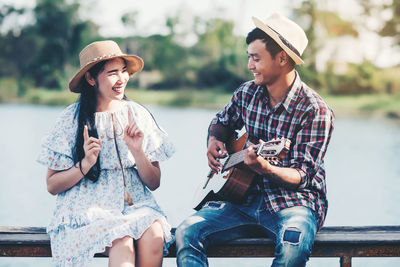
(127, 195)
(116, 129)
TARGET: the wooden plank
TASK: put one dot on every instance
(343, 242)
(22, 229)
(362, 234)
(319, 250)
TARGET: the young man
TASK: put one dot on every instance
(287, 202)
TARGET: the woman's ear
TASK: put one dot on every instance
(90, 79)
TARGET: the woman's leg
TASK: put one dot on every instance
(150, 246)
(122, 253)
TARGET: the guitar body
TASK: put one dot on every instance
(231, 185)
(235, 179)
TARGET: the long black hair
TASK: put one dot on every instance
(87, 107)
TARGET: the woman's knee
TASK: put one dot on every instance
(152, 239)
(124, 243)
(150, 246)
(122, 250)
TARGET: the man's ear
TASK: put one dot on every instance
(283, 58)
(90, 79)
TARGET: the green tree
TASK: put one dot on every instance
(38, 52)
(60, 34)
(129, 20)
(10, 58)
(320, 25)
(221, 55)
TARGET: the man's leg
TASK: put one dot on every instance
(215, 223)
(297, 227)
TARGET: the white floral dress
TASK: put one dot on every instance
(90, 215)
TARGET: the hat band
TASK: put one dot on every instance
(99, 58)
(286, 42)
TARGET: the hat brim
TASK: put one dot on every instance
(259, 24)
(134, 64)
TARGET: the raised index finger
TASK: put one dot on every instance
(85, 133)
(130, 116)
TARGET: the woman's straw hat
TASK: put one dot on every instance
(287, 34)
(99, 51)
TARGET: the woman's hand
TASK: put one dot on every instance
(59, 181)
(133, 136)
(91, 146)
(149, 172)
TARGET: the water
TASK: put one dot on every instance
(362, 166)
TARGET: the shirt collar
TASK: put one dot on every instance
(289, 102)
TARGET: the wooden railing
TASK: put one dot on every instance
(341, 242)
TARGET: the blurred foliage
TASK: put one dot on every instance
(358, 79)
(40, 51)
(390, 25)
(323, 25)
(8, 89)
(320, 25)
(44, 52)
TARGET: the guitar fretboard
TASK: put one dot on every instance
(233, 160)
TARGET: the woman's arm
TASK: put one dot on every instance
(149, 172)
(59, 181)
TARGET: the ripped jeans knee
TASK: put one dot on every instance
(291, 236)
(295, 238)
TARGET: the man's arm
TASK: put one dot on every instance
(307, 153)
(219, 132)
(223, 127)
(289, 177)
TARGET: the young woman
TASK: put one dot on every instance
(103, 160)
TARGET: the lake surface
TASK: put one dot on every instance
(362, 164)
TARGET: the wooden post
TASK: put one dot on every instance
(345, 261)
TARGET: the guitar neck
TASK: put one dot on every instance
(270, 150)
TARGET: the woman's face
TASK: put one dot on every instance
(112, 80)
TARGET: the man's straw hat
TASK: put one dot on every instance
(287, 34)
(99, 51)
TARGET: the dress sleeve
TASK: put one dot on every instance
(57, 144)
(156, 144)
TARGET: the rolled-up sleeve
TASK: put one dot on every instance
(311, 143)
(231, 114)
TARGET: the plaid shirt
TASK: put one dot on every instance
(305, 119)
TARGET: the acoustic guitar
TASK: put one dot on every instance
(234, 179)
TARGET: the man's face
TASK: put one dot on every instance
(266, 70)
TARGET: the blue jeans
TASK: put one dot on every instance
(292, 229)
